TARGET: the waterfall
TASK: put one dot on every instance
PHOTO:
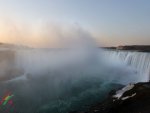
(140, 61)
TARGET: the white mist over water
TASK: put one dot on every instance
(66, 77)
(59, 80)
(89, 61)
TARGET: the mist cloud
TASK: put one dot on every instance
(43, 34)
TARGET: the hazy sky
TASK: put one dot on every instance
(112, 22)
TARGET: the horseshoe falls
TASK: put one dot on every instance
(140, 61)
(60, 81)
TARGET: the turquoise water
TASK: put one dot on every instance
(61, 81)
(39, 97)
(81, 101)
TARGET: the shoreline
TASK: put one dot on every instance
(137, 48)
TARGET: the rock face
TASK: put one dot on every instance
(133, 98)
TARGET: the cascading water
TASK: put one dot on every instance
(140, 61)
(58, 81)
(61, 80)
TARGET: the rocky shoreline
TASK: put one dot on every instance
(134, 98)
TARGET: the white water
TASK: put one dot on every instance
(140, 61)
(57, 81)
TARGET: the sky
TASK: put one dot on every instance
(110, 22)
